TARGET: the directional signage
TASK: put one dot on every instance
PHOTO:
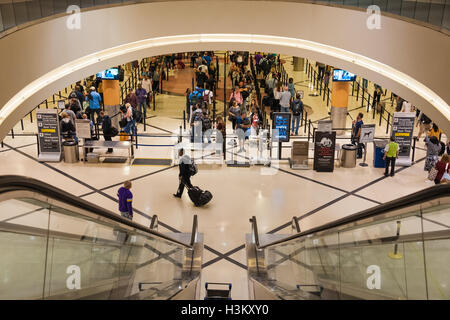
(402, 130)
(49, 135)
(367, 133)
(324, 147)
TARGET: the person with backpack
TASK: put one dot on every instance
(356, 134)
(234, 112)
(297, 113)
(187, 170)
(285, 99)
(108, 130)
(442, 168)
(390, 155)
(207, 96)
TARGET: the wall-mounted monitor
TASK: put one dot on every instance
(342, 75)
(109, 74)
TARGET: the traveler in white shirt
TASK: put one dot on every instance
(147, 85)
(285, 100)
(407, 107)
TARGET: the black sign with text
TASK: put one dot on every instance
(324, 145)
(402, 130)
(282, 123)
(48, 131)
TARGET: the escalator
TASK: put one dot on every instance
(57, 246)
(399, 250)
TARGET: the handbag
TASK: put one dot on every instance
(432, 173)
(123, 122)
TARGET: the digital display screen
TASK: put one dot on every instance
(342, 75)
(109, 74)
(282, 123)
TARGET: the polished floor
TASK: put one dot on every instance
(239, 193)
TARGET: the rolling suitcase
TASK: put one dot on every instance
(199, 197)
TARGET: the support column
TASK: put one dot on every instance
(111, 97)
(299, 64)
(339, 103)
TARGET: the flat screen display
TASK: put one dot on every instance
(109, 74)
(282, 123)
(342, 75)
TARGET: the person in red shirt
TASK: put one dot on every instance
(443, 168)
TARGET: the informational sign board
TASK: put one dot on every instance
(367, 133)
(83, 127)
(61, 104)
(402, 130)
(324, 146)
(49, 135)
(299, 156)
(282, 123)
(324, 125)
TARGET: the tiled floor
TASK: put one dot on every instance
(239, 193)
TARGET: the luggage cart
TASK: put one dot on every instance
(218, 294)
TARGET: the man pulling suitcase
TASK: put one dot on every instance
(187, 170)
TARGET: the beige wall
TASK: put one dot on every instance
(28, 54)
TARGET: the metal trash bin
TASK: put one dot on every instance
(378, 153)
(71, 152)
(348, 156)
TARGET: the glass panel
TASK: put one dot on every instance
(20, 12)
(365, 3)
(22, 251)
(351, 2)
(34, 10)
(436, 12)
(46, 7)
(110, 261)
(446, 19)
(381, 3)
(87, 3)
(1, 21)
(408, 8)
(394, 6)
(437, 221)
(8, 17)
(60, 6)
(422, 10)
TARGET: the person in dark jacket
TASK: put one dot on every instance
(126, 200)
(106, 128)
(185, 174)
(68, 130)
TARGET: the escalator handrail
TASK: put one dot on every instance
(406, 201)
(9, 183)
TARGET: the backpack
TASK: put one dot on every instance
(137, 115)
(206, 124)
(206, 96)
(193, 169)
(194, 99)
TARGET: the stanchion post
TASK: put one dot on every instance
(184, 119)
(387, 125)
(306, 121)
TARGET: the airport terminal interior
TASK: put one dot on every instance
(299, 211)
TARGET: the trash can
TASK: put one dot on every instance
(378, 153)
(71, 153)
(348, 156)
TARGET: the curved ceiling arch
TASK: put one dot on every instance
(358, 61)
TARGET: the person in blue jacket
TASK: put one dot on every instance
(94, 100)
